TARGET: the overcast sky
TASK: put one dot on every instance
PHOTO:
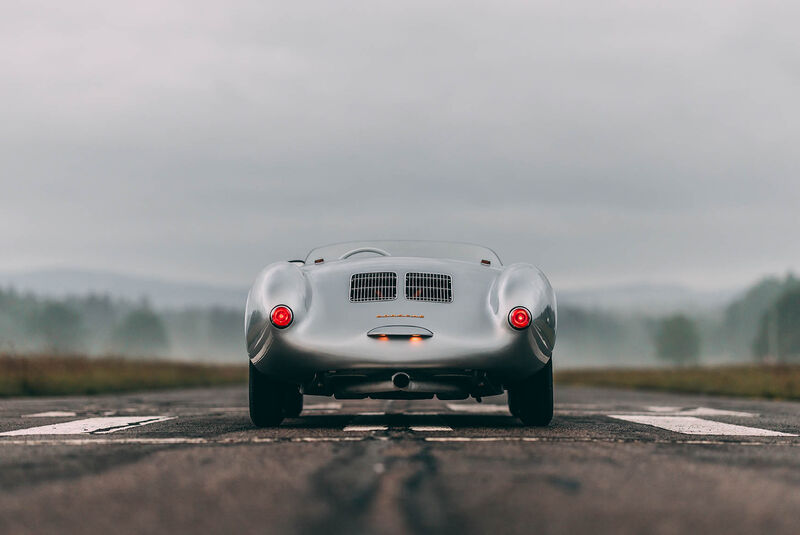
(606, 142)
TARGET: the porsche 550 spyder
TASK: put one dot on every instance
(400, 320)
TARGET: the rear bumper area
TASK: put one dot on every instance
(438, 364)
(419, 384)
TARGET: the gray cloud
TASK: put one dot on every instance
(605, 142)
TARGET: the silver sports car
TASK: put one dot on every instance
(400, 320)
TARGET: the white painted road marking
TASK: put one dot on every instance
(699, 411)
(478, 408)
(706, 411)
(613, 440)
(140, 421)
(49, 414)
(430, 428)
(88, 425)
(175, 440)
(690, 425)
(365, 428)
(323, 407)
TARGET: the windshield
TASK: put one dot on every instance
(428, 249)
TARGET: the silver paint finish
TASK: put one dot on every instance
(331, 333)
(467, 252)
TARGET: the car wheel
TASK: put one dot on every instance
(531, 400)
(512, 405)
(292, 402)
(266, 399)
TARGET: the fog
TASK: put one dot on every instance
(615, 145)
(607, 143)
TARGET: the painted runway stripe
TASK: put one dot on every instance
(365, 428)
(175, 440)
(613, 440)
(88, 425)
(478, 408)
(699, 411)
(49, 414)
(323, 407)
(430, 428)
(690, 425)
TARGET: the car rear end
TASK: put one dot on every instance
(407, 327)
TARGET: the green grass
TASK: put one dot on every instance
(45, 375)
(754, 381)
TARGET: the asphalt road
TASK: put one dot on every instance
(190, 462)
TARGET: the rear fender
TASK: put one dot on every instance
(525, 285)
(281, 283)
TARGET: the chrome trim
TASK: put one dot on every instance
(404, 331)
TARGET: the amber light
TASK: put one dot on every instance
(383, 338)
(281, 316)
(519, 318)
(416, 339)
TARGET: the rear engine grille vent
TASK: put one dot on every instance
(380, 286)
(432, 287)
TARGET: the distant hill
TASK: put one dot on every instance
(161, 294)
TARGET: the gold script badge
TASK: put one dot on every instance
(399, 316)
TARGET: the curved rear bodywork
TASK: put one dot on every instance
(359, 322)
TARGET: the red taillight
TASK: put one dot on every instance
(519, 317)
(281, 316)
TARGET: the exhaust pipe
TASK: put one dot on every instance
(401, 380)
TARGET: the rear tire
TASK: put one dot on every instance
(531, 400)
(266, 399)
(292, 402)
(512, 406)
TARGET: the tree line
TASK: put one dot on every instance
(100, 325)
(762, 324)
(766, 320)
